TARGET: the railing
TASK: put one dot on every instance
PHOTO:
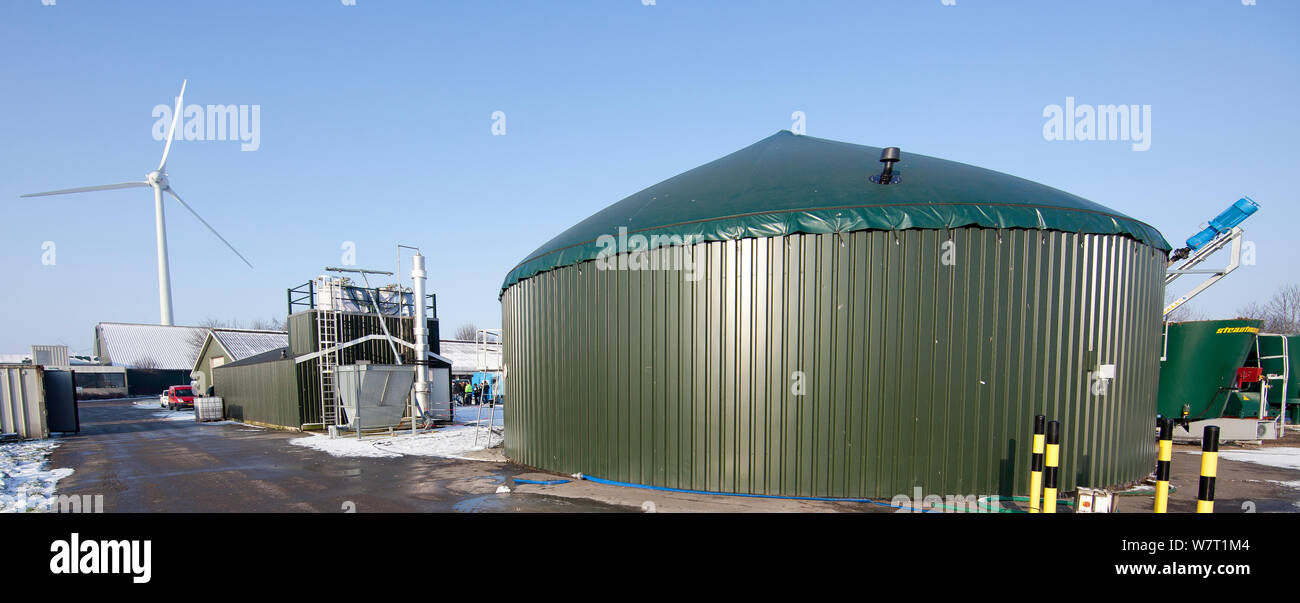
(303, 297)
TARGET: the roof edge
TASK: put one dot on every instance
(919, 216)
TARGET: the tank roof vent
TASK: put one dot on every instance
(888, 156)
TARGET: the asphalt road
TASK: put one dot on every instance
(140, 462)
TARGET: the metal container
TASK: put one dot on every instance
(22, 401)
(376, 393)
(208, 408)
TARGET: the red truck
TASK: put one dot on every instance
(180, 395)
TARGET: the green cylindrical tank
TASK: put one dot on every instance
(781, 323)
(1200, 365)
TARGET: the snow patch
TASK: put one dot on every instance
(455, 441)
(25, 482)
(1283, 457)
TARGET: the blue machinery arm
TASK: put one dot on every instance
(1221, 232)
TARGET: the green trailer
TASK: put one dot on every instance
(1199, 386)
(1198, 369)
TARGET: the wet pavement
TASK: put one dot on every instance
(143, 462)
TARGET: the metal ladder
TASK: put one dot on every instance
(1284, 377)
(327, 336)
(484, 350)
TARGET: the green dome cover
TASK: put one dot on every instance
(787, 184)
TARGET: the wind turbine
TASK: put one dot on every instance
(158, 180)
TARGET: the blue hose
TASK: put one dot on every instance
(611, 482)
(542, 482)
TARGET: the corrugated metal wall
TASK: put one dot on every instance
(266, 392)
(22, 401)
(916, 373)
(303, 340)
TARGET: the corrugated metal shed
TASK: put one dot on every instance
(51, 356)
(224, 346)
(262, 389)
(147, 346)
(464, 357)
(22, 401)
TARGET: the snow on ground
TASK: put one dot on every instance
(454, 441)
(26, 484)
(1286, 458)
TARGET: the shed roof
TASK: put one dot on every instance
(147, 346)
(787, 184)
(267, 356)
(463, 355)
(242, 343)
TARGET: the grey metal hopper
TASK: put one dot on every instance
(381, 389)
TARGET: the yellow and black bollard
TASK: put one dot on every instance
(1209, 468)
(1049, 472)
(1163, 460)
(1036, 465)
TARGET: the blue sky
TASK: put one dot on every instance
(376, 128)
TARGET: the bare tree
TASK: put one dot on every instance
(1281, 313)
(466, 331)
(196, 338)
(270, 324)
(146, 363)
(1186, 313)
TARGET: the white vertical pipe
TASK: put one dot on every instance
(421, 337)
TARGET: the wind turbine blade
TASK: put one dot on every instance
(205, 223)
(87, 189)
(171, 133)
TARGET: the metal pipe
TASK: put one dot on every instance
(418, 276)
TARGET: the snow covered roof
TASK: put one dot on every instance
(464, 359)
(147, 346)
(242, 343)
